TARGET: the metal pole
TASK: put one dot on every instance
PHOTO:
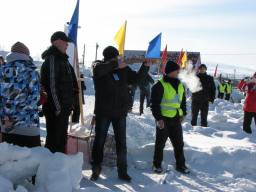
(97, 46)
(83, 54)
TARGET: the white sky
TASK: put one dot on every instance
(212, 27)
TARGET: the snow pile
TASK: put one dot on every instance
(54, 172)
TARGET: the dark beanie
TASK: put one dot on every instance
(171, 66)
(202, 65)
(110, 52)
(19, 47)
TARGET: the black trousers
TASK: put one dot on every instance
(248, 120)
(220, 95)
(197, 106)
(227, 96)
(143, 95)
(173, 131)
(101, 130)
(56, 128)
(76, 113)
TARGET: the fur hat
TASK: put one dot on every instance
(110, 52)
(202, 65)
(19, 47)
(171, 66)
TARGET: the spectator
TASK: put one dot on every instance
(83, 87)
(1, 60)
(168, 105)
(221, 89)
(111, 78)
(202, 98)
(59, 82)
(250, 102)
(228, 90)
(145, 91)
(20, 93)
(131, 93)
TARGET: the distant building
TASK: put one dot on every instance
(171, 55)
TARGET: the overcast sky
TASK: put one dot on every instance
(223, 31)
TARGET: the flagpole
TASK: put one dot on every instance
(124, 36)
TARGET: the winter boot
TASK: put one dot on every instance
(157, 169)
(124, 177)
(122, 174)
(96, 170)
(183, 169)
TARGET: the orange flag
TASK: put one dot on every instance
(164, 56)
(180, 57)
(215, 71)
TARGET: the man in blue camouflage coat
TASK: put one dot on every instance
(20, 93)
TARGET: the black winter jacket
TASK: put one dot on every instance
(110, 84)
(157, 95)
(58, 78)
(144, 84)
(208, 91)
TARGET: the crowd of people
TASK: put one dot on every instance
(225, 89)
(115, 84)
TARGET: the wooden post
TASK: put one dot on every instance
(79, 86)
(76, 66)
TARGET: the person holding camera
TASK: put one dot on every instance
(249, 86)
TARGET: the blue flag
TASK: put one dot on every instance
(73, 25)
(154, 47)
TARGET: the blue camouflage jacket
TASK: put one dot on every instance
(20, 93)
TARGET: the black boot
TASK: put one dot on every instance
(122, 174)
(96, 170)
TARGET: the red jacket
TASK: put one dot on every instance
(250, 100)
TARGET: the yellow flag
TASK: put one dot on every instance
(184, 59)
(120, 38)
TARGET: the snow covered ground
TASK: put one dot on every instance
(221, 157)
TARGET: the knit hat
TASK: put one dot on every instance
(19, 47)
(60, 35)
(171, 66)
(110, 52)
(202, 65)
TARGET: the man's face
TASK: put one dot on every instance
(61, 45)
(174, 74)
(202, 70)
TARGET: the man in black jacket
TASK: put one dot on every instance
(202, 98)
(168, 105)
(111, 78)
(145, 91)
(59, 82)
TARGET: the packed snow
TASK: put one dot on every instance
(221, 157)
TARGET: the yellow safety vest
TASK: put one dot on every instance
(228, 88)
(222, 88)
(171, 100)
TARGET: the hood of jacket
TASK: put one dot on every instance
(13, 56)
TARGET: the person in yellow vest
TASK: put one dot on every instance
(221, 89)
(168, 105)
(228, 90)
